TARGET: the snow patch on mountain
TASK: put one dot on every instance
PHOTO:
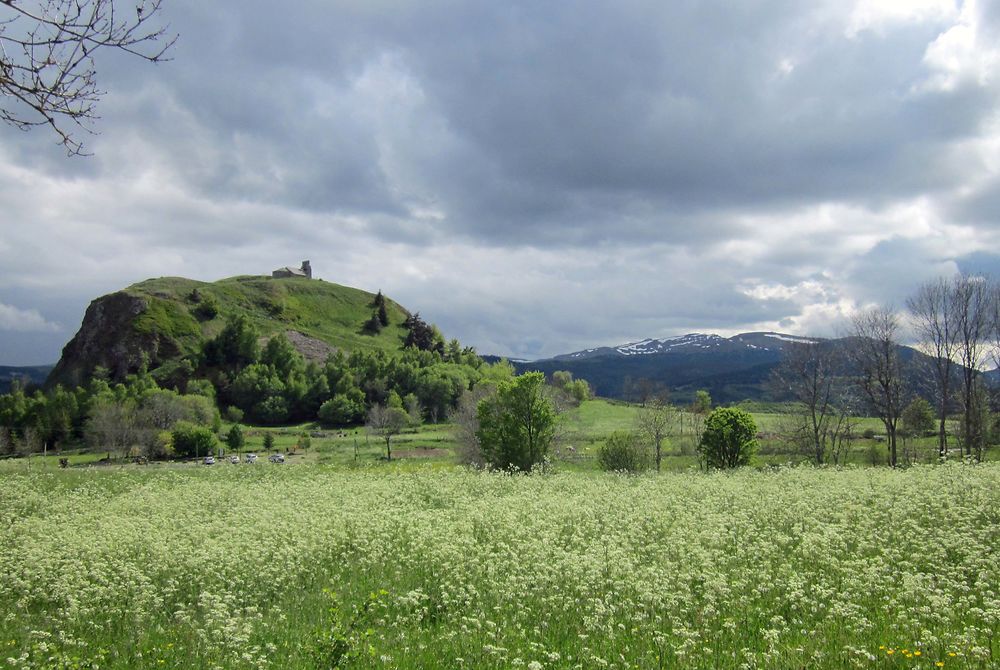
(790, 338)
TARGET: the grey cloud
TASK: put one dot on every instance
(606, 166)
(545, 115)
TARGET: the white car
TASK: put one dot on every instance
(234, 459)
(276, 458)
(209, 460)
(250, 458)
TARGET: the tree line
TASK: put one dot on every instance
(954, 322)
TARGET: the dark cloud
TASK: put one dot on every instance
(532, 176)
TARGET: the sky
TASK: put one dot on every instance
(535, 177)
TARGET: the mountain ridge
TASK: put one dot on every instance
(690, 342)
(732, 369)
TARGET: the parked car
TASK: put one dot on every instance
(250, 458)
(209, 460)
(234, 459)
(276, 458)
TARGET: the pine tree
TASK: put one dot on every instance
(373, 325)
(383, 316)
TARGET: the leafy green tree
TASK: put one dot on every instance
(702, 403)
(622, 451)
(235, 347)
(343, 408)
(729, 439)
(436, 393)
(254, 385)
(414, 409)
(268, 441)
(517, 424)
(234, 439)
(189, 439)
(272, 410)
(282, 356)
(918, 417)
(317, 391)
(234, 414)
(453, 352)
(493, 373)
(13, 409)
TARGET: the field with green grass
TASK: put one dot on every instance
(581, 432)
(317, 308)
(313, 566)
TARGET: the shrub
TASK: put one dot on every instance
(623, 452)
(189, 439)
(729, 439)
(341, 409)
(234, 414)
(206, 310)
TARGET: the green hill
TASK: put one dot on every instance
(163, 320)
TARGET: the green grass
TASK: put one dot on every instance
(239, 567)
(320, 309)
(581, 432)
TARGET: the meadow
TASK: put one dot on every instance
(581, 432)
(309, 565)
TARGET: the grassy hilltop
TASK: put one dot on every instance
(168, 318)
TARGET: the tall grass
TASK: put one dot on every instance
(263, 567)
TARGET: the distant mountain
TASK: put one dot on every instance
(731, 369)
(27, 375)
(692, 343)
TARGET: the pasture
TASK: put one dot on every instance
(377, 567)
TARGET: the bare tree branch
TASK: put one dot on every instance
(48, 76)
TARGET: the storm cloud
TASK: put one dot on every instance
(535, 177)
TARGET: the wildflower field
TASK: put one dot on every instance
(306, 566)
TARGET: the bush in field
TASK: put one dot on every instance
(729, 439)
(623, 452)
(189, 439)
(516, 424)
(342, 409)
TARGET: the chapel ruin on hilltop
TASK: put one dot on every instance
(304, 271)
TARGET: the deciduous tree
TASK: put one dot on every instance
(973, 299)
(653, 422)
(517, 424)
(729, 440)
(386, 422)
(807, 374)
(932, 311)
(875, 353)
